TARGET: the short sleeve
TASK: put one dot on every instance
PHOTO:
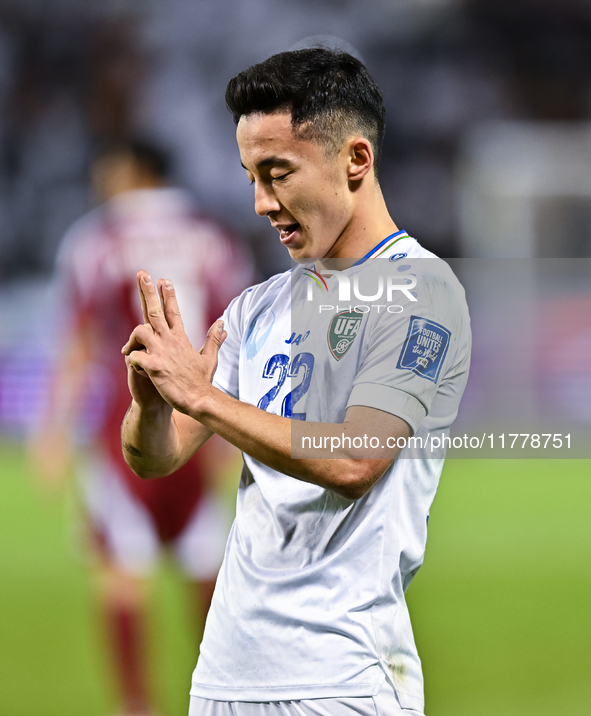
(408, 354)
(226, 377)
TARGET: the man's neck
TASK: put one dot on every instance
(370, 224)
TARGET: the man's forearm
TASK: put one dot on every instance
(150, 441)
(157, 442)
(268, 439)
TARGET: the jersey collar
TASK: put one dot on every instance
(383, 246)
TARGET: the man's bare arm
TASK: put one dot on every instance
(51, 444)
(157, 443)
(348, 471)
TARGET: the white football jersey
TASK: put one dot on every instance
(309, 602)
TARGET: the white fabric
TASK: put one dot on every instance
(201, 545)
(131, 537)
(310, 602)
(383, 704)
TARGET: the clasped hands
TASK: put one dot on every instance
(162, 365)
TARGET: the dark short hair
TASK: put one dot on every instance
(330, 93)
(151, 157)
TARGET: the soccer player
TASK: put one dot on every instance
(131, 521)
(308, 614)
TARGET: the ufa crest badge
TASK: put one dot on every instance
(342, 331)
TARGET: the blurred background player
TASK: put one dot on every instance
(141, 222)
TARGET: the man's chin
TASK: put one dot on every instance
(300, 259)
(303, 254)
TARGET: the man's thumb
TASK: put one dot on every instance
(215, 337)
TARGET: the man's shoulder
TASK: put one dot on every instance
(412, 257)
(265, 291)
(84, 228)
(270, 297)
(82, 241)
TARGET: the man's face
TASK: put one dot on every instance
(114, 174)
(305, 194)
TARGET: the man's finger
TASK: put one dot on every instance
(141, 337)
(172, 311)
(153, 306)
(139, 361)
(215, 337)
(140, 275)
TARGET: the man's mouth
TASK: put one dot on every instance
(286, 233)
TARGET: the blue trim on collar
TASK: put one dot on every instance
(379, 246)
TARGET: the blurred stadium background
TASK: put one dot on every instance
(487, 155)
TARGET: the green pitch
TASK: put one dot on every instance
(52, 648)
(500, 608)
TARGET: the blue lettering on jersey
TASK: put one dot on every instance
(296, 339)
(424, 348)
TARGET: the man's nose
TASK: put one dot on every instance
(264, 200)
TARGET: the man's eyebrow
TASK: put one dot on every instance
(271, 161)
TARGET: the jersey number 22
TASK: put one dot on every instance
(279, 368)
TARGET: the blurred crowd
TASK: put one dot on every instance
(74, 75)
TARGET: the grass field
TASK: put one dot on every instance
(501, 608)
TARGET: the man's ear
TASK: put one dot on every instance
(360, 158)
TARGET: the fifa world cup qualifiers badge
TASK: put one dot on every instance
(342, 331)
(424, 348)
